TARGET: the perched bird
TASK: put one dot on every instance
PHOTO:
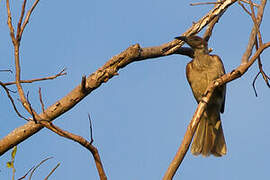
(200, 72)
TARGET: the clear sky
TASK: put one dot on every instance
(139, 117)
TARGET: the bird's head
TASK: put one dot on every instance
(195, 42)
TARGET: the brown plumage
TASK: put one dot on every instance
(203, 69)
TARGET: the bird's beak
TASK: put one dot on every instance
(182, 38)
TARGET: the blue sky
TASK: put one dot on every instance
(140, 116)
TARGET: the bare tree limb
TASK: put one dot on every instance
(253, 83)
(247, 2)
(40, 100)
(16, 44)
(9, 22)
(12, 101)
(27, 18)
(52, 171)
(132, 54)
(35, 168)
(253, 33)
(257, 30)
(5, 70)
(61, 73)
(23, 177)
(88, 145)
(20, 20)
(204, 3)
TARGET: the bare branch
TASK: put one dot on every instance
(16, 44)
(20, 21)
(256, 25)
(91, 129)
(9, 22)
(12, 101)
(265, 77)
(61, 73)
(43, 161)
(247, 2)
(253, 83)
(40, 100)
(23, 177)
(6, 70)
(218, 10)
(244, 8)
(204, 3)
(81, 141)
(52, 171)
(27, 18)
(253, 33)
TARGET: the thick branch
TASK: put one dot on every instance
(103, 74)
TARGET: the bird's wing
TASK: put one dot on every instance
(219, 63)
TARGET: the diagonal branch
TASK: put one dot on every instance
(12, 101)
(52, 171)
(88, 145)
(132, 54)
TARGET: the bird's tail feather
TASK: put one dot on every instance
(209, 137)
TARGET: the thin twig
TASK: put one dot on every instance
(9, 22)
(52, 171)
(88, 145)
(16, 44)
(12, 101)
(244, 8)
(253, 83)
(40, 100)
(247, 2)
(20, 21)
(204, 3)
(256, 25)
(253, 33)
(23, 177)
(27, 18)
(61, 73)
(43, 161)
(91, 129)
(265, 77)
(6, 70)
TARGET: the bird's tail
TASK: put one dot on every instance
(209, 137)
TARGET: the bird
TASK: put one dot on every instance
(200, 72)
